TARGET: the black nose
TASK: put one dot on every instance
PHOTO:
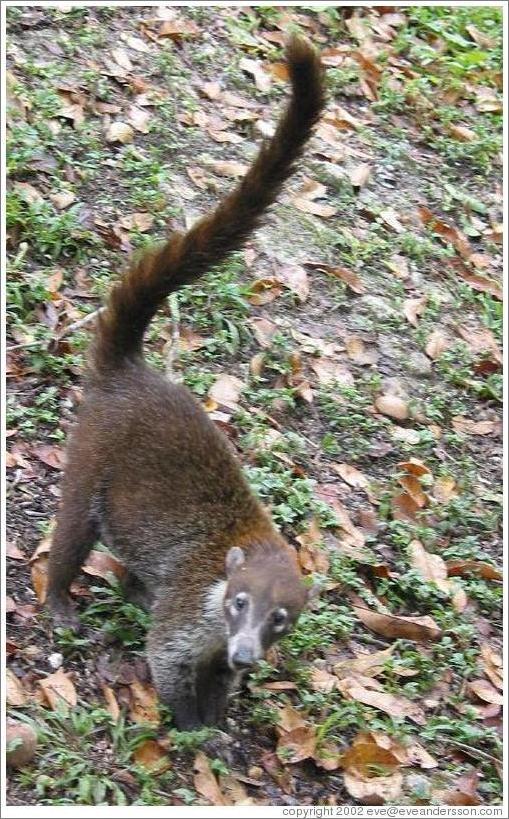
(243, 658)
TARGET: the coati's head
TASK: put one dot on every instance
(264, 596)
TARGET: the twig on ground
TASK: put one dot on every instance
(476, 753)
(77, 325)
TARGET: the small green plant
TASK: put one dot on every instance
(117, 617)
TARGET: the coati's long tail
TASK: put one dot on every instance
(185, 257)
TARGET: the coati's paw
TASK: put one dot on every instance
(64, 616)
(219, 747)
(68, 619)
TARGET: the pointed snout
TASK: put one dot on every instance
(243, 657)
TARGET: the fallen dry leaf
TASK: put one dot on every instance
(349, 277)
(280, 685)
(14, 552)
(120, 132)
(412, 308)
(263, 291)
(351, 536)
(139, 118)
(205, 782)
(227, 168)
(190, 341)
(121, 57)
(178, 29)
(359, 175)
(315, 208)
(357, 352)
(481, 283)
(462, 133)
(39, 578)
(212, 90)
(62, 199)
(143, 703)
(431, 567)
(419, 629)
(373, 749)
(322, 680)
(491, 663)
(152, 756)
(451, 234)
(279, 71)
(58, 688)
(15, 694)
(436, 344)
(28, 192)
(295, 278)
(391, 219)
(479, 37)
(481, 342)
(368, 665)
(305, 199)
(398, 265)
(351, 475)
(264, 330)
(50, 454)
(234, 790)
(375, 790)
(263, 81)
(461, 568)
(404, 507)
(102, 564)
(137, 44)
(392, 405)
(297, 744)
(415, 467)
(486, 692)
(331, 372)
(312, 556)
(468, 426)
(444, 489)
(112, 705)
(412, 487)
(136, 221)
(226, 390)
(395, 706)
(289, 718)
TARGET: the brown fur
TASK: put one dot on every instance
(151, 476)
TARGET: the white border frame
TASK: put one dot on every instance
(304, 812)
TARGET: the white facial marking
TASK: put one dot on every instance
(213, 605)
(248, 636)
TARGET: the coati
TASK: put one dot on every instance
(150, 475)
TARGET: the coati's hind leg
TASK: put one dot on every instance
(75, 534)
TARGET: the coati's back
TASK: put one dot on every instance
(161, 468)
(150, 475)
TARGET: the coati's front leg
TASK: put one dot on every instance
(214, 683)
(187, 656)
(173, 662)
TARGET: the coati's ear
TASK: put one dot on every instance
(234, 560)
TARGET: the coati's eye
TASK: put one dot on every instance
(279, 617)
(241, 601)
